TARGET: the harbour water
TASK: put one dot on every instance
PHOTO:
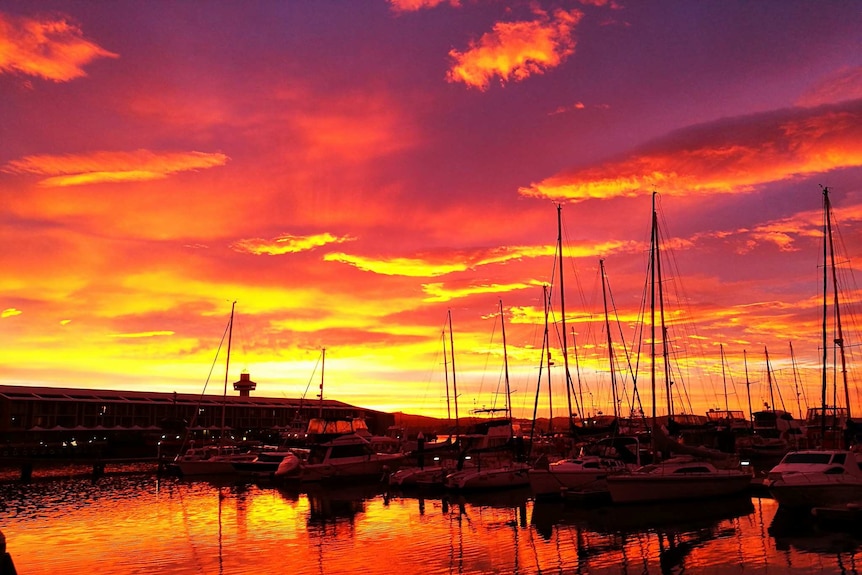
(137, 522)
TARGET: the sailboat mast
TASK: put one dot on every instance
(653, 258)
(748, 389)
(569, 386)
(454, 383)
(839, 336)
(446, 376)
(226, 373)
(724, 379)
(610, 341)
(322, 370)
(548, 350)
(506, 365)
(795, 379)
(769, 379)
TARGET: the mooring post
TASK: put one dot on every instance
(26, 471)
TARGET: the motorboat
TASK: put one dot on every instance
(211, 460)
(344, 457)
(265, 462)
(677, 478)
(586, 473)
(816, 478)
(500, 476)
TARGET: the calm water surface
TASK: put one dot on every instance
(139, 523)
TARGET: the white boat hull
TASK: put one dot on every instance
(489, 478)
(800, 491)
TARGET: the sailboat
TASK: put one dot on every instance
(504, 469)
(215, 459)
(830, 473)
(678, 477)
(585, 474)
(434, 461)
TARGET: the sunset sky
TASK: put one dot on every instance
(350, 172)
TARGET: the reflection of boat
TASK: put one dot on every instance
(331, 505)
(667, 516)
(345, 457)
(816, 477)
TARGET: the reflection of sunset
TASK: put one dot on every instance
(350, 176)
(140, 524)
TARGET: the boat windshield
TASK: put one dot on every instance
(821, 458)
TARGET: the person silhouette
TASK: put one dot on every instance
(7, 566)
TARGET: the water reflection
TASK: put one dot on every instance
(144, 524)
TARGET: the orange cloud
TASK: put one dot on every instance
(414, 5)
(723, 157)
(287, 244)
(10, 312)
(446, 263)
(53, 49)
(516, 50)
(438, 292)
(100, 167)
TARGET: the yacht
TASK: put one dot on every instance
(816, 477)
(588, 472)
(344, 457)
(677, 478)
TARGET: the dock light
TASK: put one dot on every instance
(745, 463)
(467, 458)
(437, 458)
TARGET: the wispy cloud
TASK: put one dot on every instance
(142, 334)
(287, 244)
(53, 49)
(439, 292)
(516, 50)
(726, 156)
(443, 263)
(100, 167)
(414, 5)
(845, 84)
(9, 312)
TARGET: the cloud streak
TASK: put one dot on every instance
(52, 49)
(102, 167)
(727, 156)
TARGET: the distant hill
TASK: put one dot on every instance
(431, 425)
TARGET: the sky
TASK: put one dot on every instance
(354, 174)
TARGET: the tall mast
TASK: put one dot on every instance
(550, 363)
(653, 258)
(454, 384)
(795, 379)
(322, 369)
(446, 375)
(226, 373)
(506, 365)
(724, 380)
(839, 335)
(769, 379)
(569, 387)
(748, 389)
(610, 342)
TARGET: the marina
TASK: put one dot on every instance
(138, 522)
